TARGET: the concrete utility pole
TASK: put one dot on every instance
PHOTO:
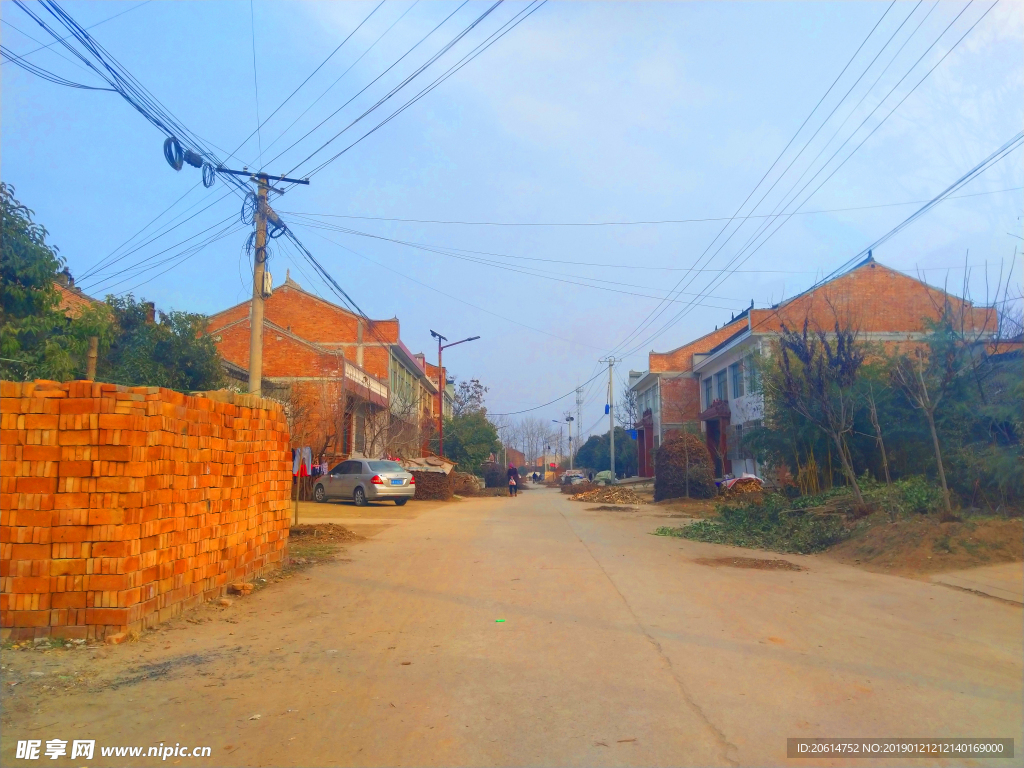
(570, 420)
(262, 214)
(258, 289)
(611, 413)
(441, 385)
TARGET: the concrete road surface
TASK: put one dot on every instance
(1005, 581)
(534, 631)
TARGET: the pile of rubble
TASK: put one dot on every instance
(610, 494)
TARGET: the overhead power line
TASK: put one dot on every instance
(453, 297)
(511, 24)
(342, 75)
(786, 216)
(631, 223)
(658, 311)
(91, 26)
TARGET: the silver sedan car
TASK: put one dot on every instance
(365, 480)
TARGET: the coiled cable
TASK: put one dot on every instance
(173, 153)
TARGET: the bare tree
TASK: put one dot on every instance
(818, 373)
(627, 410)
(532, 432)
(954, 349)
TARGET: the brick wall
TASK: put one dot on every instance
(681, 359)
(120, 507)
(313, 320)
(871, 299)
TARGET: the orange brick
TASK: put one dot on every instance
(74, 437)
(33, 518)
(106, 516)
(107, 582)
(117, 617)
(29, 618)
(30, 552)
(114, 421)
(69, 533)
(41, 421)
(75, 468)
(115, 453)
(113, 484)
(75, 567)
(41, 453)
(80, 405)
(30, 584)
(110, 549)
(36, 484)
(68, 600)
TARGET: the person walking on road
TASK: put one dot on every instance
(513, 480)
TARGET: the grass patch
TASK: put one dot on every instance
(769, 524)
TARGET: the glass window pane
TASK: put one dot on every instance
(385, 466)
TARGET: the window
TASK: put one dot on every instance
(385, 466)
(755, 383)
(707, 393)
(736, 374)
(721, 386)
(734, 443)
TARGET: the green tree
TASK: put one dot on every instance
(593, 454)
(37, 339)
(469, 440)
(173, 351)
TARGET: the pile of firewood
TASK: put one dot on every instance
(610, 494)
(744, 486)
(433, 486)
(466, 484)
(578, 487)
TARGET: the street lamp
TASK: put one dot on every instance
(441, 386)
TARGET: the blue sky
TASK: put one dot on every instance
(584, 113)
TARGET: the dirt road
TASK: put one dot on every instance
(533, 631)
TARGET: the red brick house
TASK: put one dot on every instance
(705, 384)
(351, 385)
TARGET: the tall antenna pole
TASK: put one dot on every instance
(611, 413)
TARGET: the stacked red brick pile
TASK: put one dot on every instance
(120, 507)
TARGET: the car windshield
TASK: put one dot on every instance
(385, 466)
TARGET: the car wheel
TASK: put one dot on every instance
(319, 494)
(400, 502)
(359, 497)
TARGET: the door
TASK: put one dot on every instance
(358, 475)
(346, 479)
(332, 482)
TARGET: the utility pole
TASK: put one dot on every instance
(262, 214)
(579, 408)
(611, 413)
(570, 420)
(441, 384)
(258, 288)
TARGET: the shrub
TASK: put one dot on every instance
(495, 475)
(770, 524)
(670, 468)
